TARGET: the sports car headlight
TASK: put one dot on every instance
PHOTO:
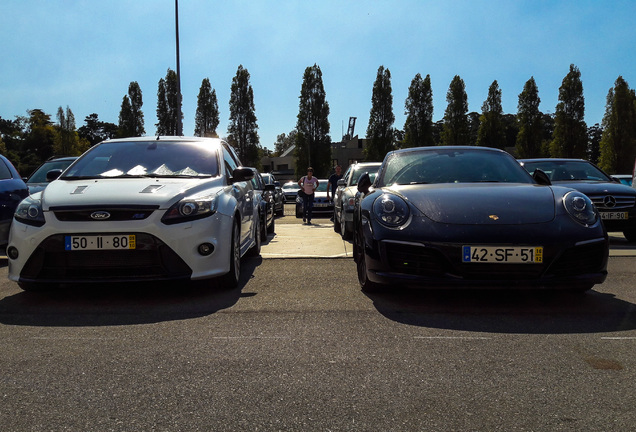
(29, 211)
(391, 210)
(580, 207)
(190, 209)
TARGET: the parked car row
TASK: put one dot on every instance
(165, 208)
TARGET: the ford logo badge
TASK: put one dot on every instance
(100, 215)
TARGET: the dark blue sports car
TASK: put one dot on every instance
(12, 191)
(460, 217)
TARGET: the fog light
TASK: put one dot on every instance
(206, 249)
(12, 252)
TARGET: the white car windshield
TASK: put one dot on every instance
(146, 159)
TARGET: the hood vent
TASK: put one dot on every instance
(151, 189)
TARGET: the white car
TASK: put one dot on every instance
(344, 201)
(138, 209)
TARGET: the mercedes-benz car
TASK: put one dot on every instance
(138, 209)
(615, 201)
(344, 201)
(465, 217)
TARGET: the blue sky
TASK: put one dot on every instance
(83, 54)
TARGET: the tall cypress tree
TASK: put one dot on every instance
(455, 130)
(207, 116)
(570, 130)
(242, 130)
(381, 118)
(313, 143)
(168, 104)
(529, 138)
(418, 127)
(491, 127)
(136, 114)
(618, 143)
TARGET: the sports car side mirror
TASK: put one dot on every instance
(541, 177)
(364, 183)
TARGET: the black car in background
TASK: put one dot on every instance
(264, 196)
(277, 193)
(37, 181)
(12, 191)
(615, 201)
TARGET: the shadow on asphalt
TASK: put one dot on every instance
(123, 304)
(494, 311)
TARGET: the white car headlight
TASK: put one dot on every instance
(580, 208)
(29, 211)
(189, 209)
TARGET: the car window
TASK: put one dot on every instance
(452, 166)
(229, 160)
(5, 172)
(559, 170)
(257, 182)
(146, 158)
(372, 170)
(39, 176)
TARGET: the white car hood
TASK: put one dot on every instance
(125, 191)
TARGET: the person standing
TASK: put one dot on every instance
(332, 184)
(308, 184)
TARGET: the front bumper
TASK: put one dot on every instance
(163, 252)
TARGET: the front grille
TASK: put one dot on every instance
(580, 260)
(83, 214)
(622, 202)
(152, 259)
(414, 259)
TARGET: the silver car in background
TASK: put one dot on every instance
(344, 201)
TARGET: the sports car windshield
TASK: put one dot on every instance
(432, 166)
(145, 159)
(559, 170)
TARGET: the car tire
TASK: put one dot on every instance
(361, 267)
(345, 230)
(271, 227)
(258, 236)
(35, 287)
(336, 223)
(263, 229)
(630, 235)
(230, 280)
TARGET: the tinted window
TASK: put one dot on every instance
(452, 166)
(5, 173)
(558, 170)
(39, 176)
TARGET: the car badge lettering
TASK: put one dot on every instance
(100, 215)
(494, 217)
(609, 201)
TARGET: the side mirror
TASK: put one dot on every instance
(364, 183)
(53, 175)
(342, 182)
(241, 174)
(541, 177)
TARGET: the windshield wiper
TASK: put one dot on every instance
(154, 175)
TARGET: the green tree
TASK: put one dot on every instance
(284, 141)
(95, 131)
(38, 142)
(207, 116)
(313, 143)
(242, 130)
(594, 135)
(455, 131)
(131, 117)
(168, 108)
(570, 130)
(529, 138)
(381, 118)
(491, 127)
(618, 143)
(418, 127)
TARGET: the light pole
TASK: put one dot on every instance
(179, 115)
